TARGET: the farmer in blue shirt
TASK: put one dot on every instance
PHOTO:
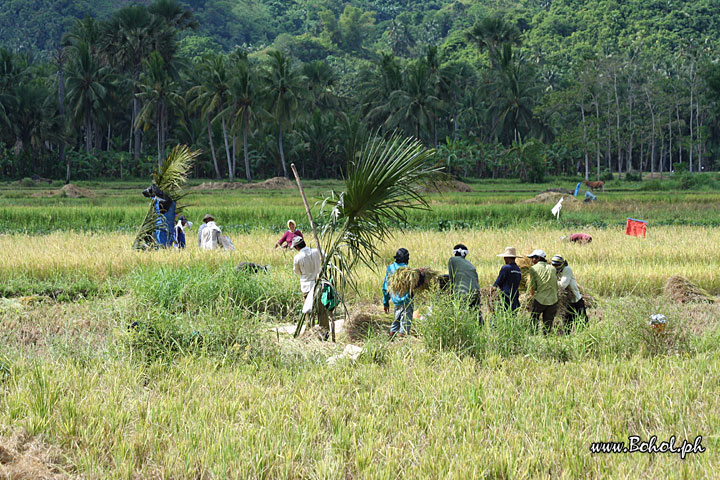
(508, 281)
(403, 304)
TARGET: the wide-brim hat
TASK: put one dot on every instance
(208, 218)
(297, 241)
(537, 253)
(509, 252)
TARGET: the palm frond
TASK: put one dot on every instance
(384, 183)
(171, 177)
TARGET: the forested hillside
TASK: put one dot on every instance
(502, 88)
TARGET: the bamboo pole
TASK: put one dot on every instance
(319, 246)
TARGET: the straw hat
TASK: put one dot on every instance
(208, 218)
(509, 252)
(291, 221)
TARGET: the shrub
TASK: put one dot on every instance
(27, 182)
(633, 177)
(607, 176)
(191, 289)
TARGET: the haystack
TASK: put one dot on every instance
(491, 297)
(70, 190)
(680, 290)
(316, 333)
(413, 280)
(361, 323)
(73, 191)
(448, 186)
(551, 198)
(275, 183)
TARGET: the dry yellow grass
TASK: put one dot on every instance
(613, 264)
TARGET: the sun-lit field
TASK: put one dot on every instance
(207, 386)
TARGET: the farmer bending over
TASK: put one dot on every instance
(508, 280)
(581, 238)
(287, 238)
(566, 280)
(209, 234)
(464, 279)
(544, 288)
(403, 304)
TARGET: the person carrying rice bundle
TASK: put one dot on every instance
(403, 303)
(566, 281)
(464, 279)
(508, 280)
(544, 289)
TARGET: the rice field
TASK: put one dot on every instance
(204, 385)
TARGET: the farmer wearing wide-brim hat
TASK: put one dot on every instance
(508, 280)
(544, 288)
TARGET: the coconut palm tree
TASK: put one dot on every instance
(491, 33)
(416, 104)
(126, 40)
(282, 86)
(243, 91)
(159, 94)
(88, 83)
(211, 97)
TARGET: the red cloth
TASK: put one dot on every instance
(636, 228)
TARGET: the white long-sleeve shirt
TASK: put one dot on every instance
(307, 265)
(566, 279)
(209, 236)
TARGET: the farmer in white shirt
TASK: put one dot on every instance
(209, 234)
(307, 265)
(566, 281)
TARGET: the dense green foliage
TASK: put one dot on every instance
(520, 88)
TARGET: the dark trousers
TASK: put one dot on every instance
(475, 303)
(548, 314)
(575, 311)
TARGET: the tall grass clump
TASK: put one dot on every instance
(618, 331)
(193, 288)
(158, 334)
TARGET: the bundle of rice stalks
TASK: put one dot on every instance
(680, 290)
(491, 297)
(316, 333)
(413, 280)
(564, 300)
(524, 263)
(360, 323)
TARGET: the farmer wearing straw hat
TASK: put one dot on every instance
(403, 304)
(566, 280)
(289, 235)
(508, 280)
(464, 279)
(544, 288)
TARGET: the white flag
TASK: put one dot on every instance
(556, 209)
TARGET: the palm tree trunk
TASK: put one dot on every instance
(282, 153)
(158, 128)
(61, 104)
(227, 148)
(597, 136)
(585, 150)
(136, 111)
(245, 146)
(234, 151)
(212, 149)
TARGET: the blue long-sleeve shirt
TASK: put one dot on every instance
(387, 296)
(508, 281)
